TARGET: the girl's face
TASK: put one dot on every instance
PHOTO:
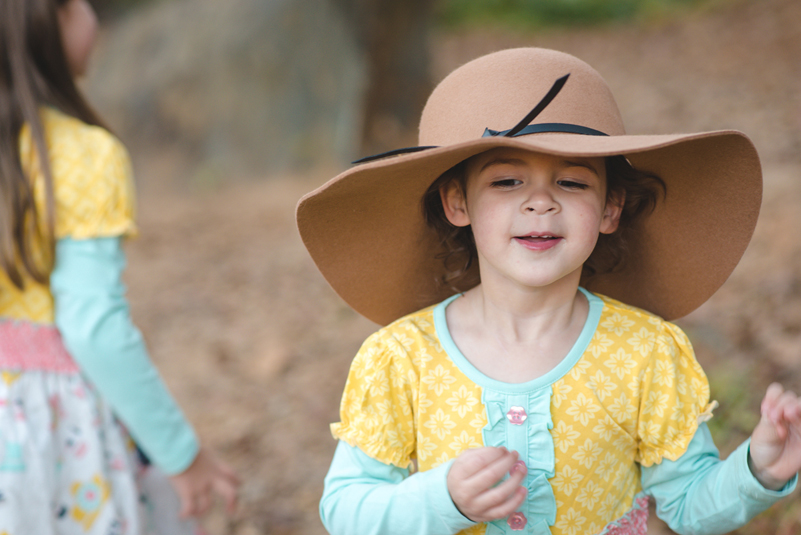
(535, 218)
(78, 24)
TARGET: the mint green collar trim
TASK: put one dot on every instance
(576, 352)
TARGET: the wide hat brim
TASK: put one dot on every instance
(366, 232)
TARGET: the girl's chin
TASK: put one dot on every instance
(540, 283)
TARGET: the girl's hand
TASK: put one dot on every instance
(472, 479)
(195, 484)
(776, 441)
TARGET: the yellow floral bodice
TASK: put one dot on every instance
(628, 394)
(93, 192)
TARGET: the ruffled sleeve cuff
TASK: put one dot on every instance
(677, 446)
(675, 399)
(372, 443)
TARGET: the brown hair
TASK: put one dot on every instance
(34, 72)
(642, 191)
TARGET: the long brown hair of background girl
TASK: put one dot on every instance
(34, 72)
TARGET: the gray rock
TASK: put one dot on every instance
(239, 85)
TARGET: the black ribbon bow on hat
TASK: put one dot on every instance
(520, 129)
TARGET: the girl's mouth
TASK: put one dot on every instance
(538, 242)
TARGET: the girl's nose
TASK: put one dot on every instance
(540, 201)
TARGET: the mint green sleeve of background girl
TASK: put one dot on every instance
(92, 314)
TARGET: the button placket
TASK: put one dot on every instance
(517, 439)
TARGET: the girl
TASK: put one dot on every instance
(71, 360)
(516, 400)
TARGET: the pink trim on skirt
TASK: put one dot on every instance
(26, 346)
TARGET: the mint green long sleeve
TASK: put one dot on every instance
(92, 315)
(700, 494)
(696, 494)
(368, 497)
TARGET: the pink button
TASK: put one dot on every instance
(517, 521)
(519, 465)
(517, 415)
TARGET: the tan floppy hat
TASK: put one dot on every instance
(365, 228)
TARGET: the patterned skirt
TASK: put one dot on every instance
(67, 466)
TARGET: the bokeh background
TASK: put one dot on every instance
(232, 110)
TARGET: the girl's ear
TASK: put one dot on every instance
(454, 204)
(612, 211)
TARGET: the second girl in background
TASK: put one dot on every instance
(72, 362)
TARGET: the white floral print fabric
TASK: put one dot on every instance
(66, 464)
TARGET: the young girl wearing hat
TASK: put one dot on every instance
(72, 362)
(524, 395)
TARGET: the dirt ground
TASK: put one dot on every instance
(256, 346)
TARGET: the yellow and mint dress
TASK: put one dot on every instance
(67, 464)
(629, 397)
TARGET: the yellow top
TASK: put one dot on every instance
(629, 393)
(94, 197)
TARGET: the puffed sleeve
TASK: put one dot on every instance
(93, 187)
(674, 397)
(376, 412)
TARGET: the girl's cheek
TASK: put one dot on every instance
(79, 32)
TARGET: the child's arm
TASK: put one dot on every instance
(92, 315)
(365, 496)
(700, 494)
(195, 484)
(776, 441)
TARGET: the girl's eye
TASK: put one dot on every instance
(570, 184)
(505, 182)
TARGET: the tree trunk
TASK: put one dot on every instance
(394, 35)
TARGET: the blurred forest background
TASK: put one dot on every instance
(232, 110)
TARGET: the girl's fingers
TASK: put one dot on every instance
(790, 416)
(491, 473)
(468, 492)
(509, 506)
(771, 406)
(226, 486)
(785, 401)
(230, 475)
(772, 395)
(475, 460)
(226, 471)
(775, 390)
(782, 410)
(794, 412)
(202, 503)
(227, 490)
(791, 407)
(496, 496)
